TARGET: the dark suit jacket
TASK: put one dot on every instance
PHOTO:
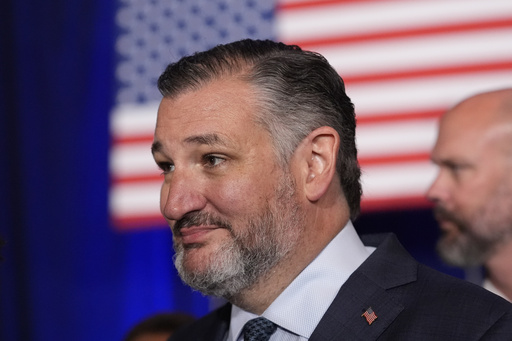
(411, 301)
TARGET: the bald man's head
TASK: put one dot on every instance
(472, 193)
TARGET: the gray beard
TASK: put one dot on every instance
(481, 235)
(252, 251)
(466, 250)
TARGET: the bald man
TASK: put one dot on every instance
(472, 193)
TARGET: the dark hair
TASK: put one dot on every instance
(296, 91)
(159, 323)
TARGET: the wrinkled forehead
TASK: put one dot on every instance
(224, 110)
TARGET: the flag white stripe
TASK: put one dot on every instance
(380, 182)
(132, 159)
(133, 120)
(136, 199)
(387, 139)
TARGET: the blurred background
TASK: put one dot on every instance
(86, 253)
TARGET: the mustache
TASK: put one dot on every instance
(441, 213)
(200, 218)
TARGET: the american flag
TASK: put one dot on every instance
(404, 63)
(369, 315)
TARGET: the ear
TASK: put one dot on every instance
(320, 152)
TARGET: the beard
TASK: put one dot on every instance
(467, 248)
(480, 236)
(250, 251)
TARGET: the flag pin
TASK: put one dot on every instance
(369, 315)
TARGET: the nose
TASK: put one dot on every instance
(180, 195)
(438, 190)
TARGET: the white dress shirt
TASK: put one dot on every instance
(300, 307)
(489, 286)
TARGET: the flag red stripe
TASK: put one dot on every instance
(430, 72)
(147, 139)
(402, 33)
(315, 4)
(133, 179)
(394, 117)
(139, 222)
(380, 160)
(410, 202)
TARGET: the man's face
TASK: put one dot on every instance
(473, 190)
(231, 208)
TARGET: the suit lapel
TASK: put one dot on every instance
(213, 327)
(370, 286)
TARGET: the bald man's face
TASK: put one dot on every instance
(472, 193)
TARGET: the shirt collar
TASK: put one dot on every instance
(487, 284)
(301, 306)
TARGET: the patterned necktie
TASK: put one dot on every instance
(259, 329)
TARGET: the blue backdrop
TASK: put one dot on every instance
(67, 274)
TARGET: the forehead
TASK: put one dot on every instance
(465, 132)
(224, 108)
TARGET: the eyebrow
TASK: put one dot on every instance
(156, 147)
(205, 139)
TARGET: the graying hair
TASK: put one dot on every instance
(296, 91)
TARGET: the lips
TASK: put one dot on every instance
(195, 234)
(447, 224)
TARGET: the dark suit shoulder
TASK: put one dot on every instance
(211, 327)
(467, 308)
(434, 305)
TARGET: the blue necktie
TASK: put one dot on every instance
(258, 329)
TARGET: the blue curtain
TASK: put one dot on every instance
(66, 273)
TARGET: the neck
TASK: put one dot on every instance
(499, 270)
(325, 223)
(258, 297)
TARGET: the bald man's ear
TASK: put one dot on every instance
(320, 153)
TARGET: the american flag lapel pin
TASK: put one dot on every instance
(369, 315)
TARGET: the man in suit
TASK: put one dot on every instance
(256, 142)
(473, 189)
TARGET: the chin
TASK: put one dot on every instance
(195, 258)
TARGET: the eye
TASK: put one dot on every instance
(455, 168)
(166, 167)
(212, 161)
